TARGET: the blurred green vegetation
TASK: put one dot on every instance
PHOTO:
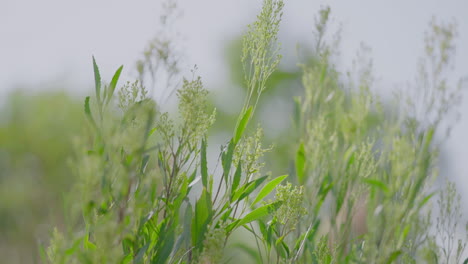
(329, 123)
(36, 133)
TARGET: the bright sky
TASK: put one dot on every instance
(47, 40)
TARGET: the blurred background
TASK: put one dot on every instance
(45, 65)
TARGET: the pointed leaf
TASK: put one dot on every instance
(43, 254)
(247, 189)
(113, 83)
(87, 110)
(268, 188)
(255, 215)
(139, 257)
(97, 81)
(164, 246)
(393, 256)
(227, 159)
(300, 164)
(426, 199)
(203, 213)
(297, 111)
(242, 124)
(204, 166)
(377, 184)
(237, 177)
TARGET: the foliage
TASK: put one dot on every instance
(35, 134)
(360, 189)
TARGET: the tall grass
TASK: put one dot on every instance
(359, 192)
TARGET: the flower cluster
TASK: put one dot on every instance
(292, 208)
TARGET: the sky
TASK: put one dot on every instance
(50, 42)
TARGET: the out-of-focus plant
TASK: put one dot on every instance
(159, 65)
(447, 225)
(35, 134)
(368, 172)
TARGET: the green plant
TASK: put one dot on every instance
(35, 134)
(359, 190)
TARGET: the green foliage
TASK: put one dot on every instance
(375, 167)
(139, 168)
(36, 131)
(361, 177)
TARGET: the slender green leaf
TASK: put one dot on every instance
(204, 166)
(403, 235)
(127, 259)
(88, 113)
(252, 187)
(152, 131)
(247, 189)
(237, 177)
(144, 163)
(297, 111)
(97, 80)
(203, 214)
(426, 199)
(182, 194)
(350, 156)
(227, 159)
(376, 183)
(141, 252)
(88, 244)
(43, 254)
(393, 256)
(164, 246)
(113, 84)
(325, 188)
(87, 109)
(300, 164)
(268, 188)
(127, 245)
(74, 247)
(256, 214)
(242, 124)
(282, 248)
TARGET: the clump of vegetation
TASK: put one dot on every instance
(35, 134)
(359, 191)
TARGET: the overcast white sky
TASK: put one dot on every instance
(42, 41)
